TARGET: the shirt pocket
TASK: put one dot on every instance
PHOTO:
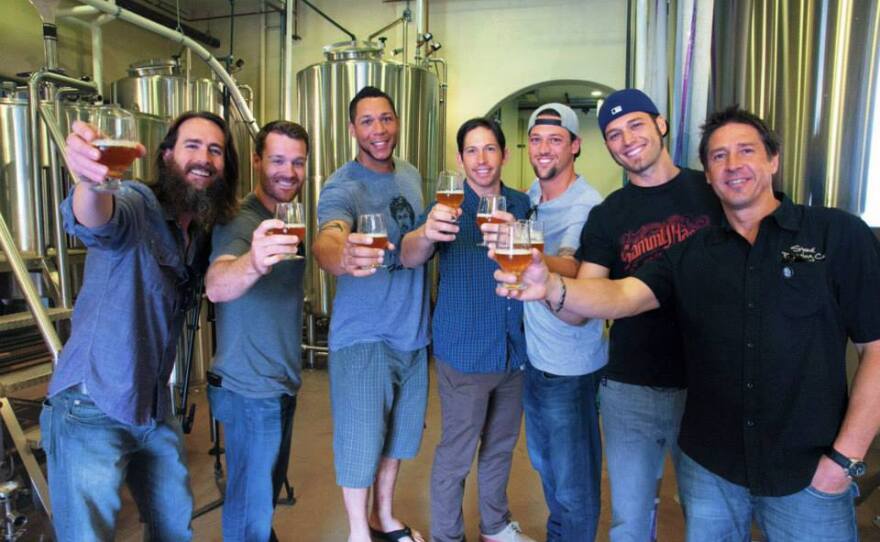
(802, 289)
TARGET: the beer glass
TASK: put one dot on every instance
(373, 226)
(450, 189)
(117, 143)
(294, 217)
(513, 250)
(488, 206)
(536, 234)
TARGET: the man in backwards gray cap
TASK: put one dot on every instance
(642, 395)
(562, 429)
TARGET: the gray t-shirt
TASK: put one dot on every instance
(553, 345)
(392, 304)
(259, 334)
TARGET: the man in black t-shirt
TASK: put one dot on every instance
(767, 302)
(643, 393)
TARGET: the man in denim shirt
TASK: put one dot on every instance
(107, 418)
(479, 344)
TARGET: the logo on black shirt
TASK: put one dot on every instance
(649, 241)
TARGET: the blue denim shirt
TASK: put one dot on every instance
(129, 312)
(474, 330)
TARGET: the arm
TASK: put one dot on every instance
(563, 263)
(341, 252)
(229, 277)
(91, 209)
(585, 297)
(860, 424)
(417, 246)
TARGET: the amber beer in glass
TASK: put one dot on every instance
(294, 218)
(536, 234)
(486, 210)
(450, 189)
(117, 143)
(513, 250)
(373, 226)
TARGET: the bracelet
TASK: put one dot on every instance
(561, 297)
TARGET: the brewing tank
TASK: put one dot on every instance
(324, 92)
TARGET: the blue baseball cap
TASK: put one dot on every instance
(628, 100)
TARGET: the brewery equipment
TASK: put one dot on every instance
(324, 92)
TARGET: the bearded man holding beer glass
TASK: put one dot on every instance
(479, 344)
(107, 418)
(258, 288)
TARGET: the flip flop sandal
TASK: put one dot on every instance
(391, 536)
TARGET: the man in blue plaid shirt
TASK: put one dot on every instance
(479, 344)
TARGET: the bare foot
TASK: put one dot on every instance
(394, 524)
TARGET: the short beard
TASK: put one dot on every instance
(549, 175)
(178, 197)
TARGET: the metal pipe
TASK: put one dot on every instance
(287, 64)
(444, 86)
(97, 34)
(388, 26)
(421, 18)
(13, 78)
(34, 83)
(189, 43)
(56, 144)
(78, 11)
(331, 21)
(261, 68)
(19, 269)
(50, 45)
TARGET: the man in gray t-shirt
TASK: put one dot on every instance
(379, 327)
(256, 373)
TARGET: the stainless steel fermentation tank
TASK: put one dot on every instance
(324, 92)
(157, 92)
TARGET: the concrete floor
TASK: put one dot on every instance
(319, 515)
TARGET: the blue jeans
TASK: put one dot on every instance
(90, 455)
(257, 442)
(562, 436)
(640, 425)
(720, 511)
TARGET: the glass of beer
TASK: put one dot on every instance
(450, 189)
(373, 226)
(536, 234)
(117, 143)
(486, 210)
(513, 250)
(294, 217)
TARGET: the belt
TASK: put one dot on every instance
(215, 380)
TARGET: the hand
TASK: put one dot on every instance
(82, 156)
(267, 250)
(440, 225)
(490, 230)
(830, 477)
(535, 279)
(359, 260)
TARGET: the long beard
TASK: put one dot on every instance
(179, 197)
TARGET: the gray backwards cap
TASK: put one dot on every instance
(568, 119)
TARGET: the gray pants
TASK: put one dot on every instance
(484, 409)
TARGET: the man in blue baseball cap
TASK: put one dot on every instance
(642, 395)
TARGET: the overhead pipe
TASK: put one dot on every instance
(180, 38)
(328, 18)
(94, 27)
(389, 26)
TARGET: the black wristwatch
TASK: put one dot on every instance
(855, 468)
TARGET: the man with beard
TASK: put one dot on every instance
(642, 394)
(562, 427)
(379, 329)
(479, 345)
(258, 290)
(107, 418)
(766, 302)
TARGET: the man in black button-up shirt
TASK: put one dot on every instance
(766, 303)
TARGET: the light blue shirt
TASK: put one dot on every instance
(553, 345)
(390, 305)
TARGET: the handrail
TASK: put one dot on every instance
(19, 270)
